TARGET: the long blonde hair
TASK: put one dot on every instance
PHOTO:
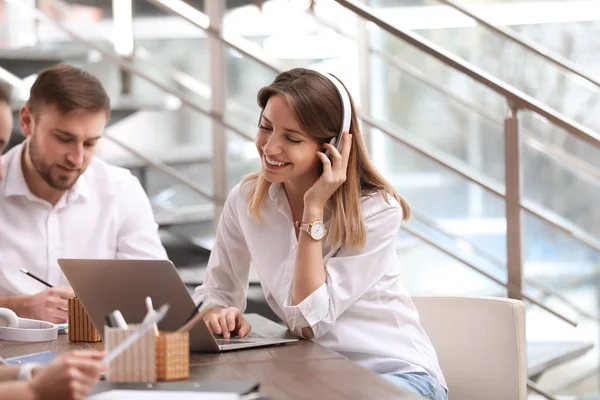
(318, 108)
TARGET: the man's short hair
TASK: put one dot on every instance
(68, 89)
(5, 93)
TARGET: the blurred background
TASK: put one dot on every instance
(475, 111)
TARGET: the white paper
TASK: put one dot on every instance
(161, 394)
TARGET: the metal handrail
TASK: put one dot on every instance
(201, 89)
(198, 19)
(528, 44)
(126, 64)
(481, 252)
(479, 181)
(195, 86)
(469, 264)
(569, 161)
(194, 16)
(241, 111)
(515, 97)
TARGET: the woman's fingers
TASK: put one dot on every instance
(326, 162)
(244, 327)
(212, 321)
(226, 332)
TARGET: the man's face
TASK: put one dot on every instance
(6, 127)
(61, 146)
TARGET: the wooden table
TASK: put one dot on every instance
(303, 370)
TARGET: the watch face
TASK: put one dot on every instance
(317, 230)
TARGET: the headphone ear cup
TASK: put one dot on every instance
(8, 318)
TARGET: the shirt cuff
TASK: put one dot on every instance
(313, 309)
(210, 300)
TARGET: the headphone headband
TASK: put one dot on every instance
(345, 99)
(25, 330)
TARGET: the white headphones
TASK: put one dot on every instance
(346, 110)
(25, 330)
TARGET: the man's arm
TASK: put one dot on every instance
(17, 390)
(48, 305)
(17, 303)
(9, 373)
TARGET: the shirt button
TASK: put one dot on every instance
(294, 247)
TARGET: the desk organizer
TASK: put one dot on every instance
(81, 328)
(152, 358)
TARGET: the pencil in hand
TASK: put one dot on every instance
(23, 270)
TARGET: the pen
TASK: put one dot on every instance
(152, 318)
(108, 321)
(23, 270)
(119, 320)
(150, 308)
(193, 312)
(190, 324)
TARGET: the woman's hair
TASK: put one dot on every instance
(318, 108)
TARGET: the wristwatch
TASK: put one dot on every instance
(25, 371)
(315, 229)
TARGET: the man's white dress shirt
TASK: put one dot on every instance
(362, 311)
(106, 214)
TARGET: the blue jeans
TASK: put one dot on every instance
(419, 383)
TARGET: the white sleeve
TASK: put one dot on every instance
(349, 275)
(226, 282)
(138, 233)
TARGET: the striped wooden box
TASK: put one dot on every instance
(137, 363)
(165, 357)
(81, 328)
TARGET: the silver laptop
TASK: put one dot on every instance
(103, 286)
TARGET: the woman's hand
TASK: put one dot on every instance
(334, 175)
(227, 321)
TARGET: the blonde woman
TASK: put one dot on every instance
(321, 230)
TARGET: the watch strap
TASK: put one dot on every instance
(25, 371)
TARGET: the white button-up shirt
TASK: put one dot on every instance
(362, 311)
(106, 214)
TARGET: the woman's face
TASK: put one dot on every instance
(287, 153)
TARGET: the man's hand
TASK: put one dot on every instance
(227, 321)
(50, 305)
(70, 376)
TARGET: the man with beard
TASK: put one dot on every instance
(59, 201)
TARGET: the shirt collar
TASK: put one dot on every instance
(17, 186)
(277, 195)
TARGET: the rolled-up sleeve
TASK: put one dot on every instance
(349, 275)
(226, 282)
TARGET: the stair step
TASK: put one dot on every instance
(27, 61)
(541, 356)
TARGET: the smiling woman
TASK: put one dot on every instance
(321, 232)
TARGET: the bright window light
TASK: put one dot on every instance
(123, 27)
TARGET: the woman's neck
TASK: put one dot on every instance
(295, 191)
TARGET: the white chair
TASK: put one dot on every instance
(480, 343)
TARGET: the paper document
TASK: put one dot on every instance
(162, 394)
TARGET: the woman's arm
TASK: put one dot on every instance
(309, 273)
(225, 286)
(226, 281)
(321, 293)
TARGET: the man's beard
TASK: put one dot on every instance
(62, 182)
